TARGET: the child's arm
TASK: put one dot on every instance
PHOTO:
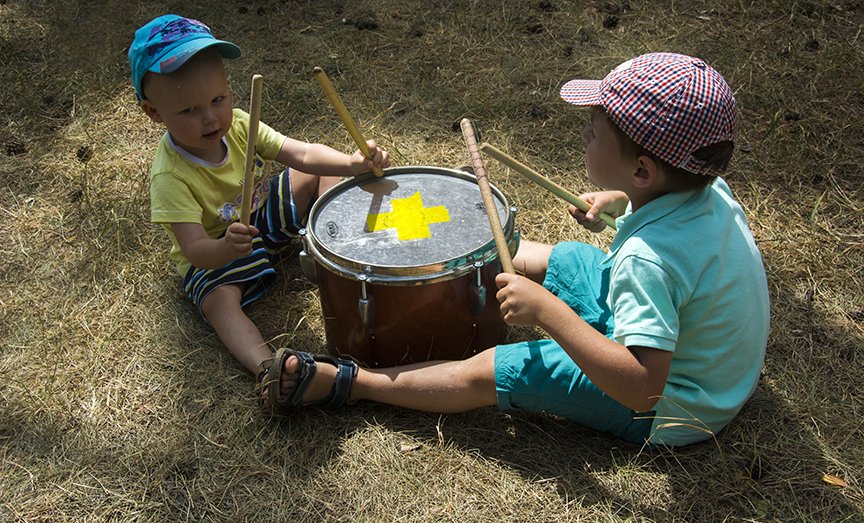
(633, 376)
(614, 203)
(204, 252)
(319, 159)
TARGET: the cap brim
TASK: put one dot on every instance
(178, 56)
(581, 92)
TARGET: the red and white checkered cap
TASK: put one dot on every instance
(670, 104)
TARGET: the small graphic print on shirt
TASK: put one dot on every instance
(230, 211)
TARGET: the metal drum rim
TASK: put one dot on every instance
(402, 275)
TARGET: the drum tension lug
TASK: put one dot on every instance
(307, 262)
(366, 305)
(477, 294)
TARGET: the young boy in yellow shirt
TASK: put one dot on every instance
(198, 171)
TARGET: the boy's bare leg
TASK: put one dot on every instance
(304, 187)
(325, 182)
(242, 338)
(434, 386)
(532, 260)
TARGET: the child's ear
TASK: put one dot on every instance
(647, 172)
(151, 111)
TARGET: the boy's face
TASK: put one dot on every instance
(607, 166)
(194, 103)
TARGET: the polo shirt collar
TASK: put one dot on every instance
(632, 222)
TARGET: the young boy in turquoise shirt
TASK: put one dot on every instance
(660, 339)
(198, 173)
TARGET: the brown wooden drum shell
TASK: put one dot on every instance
(412, 323)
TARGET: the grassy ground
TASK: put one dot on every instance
(117, 403)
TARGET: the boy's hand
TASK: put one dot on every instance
(238, 239)
(379, 158)
(612, 202)
(521, 299)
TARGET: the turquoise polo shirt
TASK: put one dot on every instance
(686, 276)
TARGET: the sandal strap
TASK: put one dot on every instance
(307, 372)
(261, 377)
(274, 378)
(274, 375)
(346, 370)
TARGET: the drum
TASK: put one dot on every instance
(406, 264)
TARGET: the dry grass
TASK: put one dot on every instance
(118, 403)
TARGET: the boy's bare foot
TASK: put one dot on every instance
(320, 387)
(298, 379)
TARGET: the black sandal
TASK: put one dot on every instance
(346, 371)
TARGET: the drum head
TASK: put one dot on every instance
(412, 218)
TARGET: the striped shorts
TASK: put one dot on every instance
(278, 223)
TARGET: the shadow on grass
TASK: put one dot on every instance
(738, 475)
(190, 443)
(776, 450)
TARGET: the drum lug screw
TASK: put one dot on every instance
(477, 294)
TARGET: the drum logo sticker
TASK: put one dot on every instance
(410, 219)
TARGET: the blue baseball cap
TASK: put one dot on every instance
(167, 42)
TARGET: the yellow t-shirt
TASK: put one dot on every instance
(187, 189)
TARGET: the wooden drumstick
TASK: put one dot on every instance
(544, 182)
(337, 104)
(486, 193)
(251, 143)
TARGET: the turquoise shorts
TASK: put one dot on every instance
(541, 377)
